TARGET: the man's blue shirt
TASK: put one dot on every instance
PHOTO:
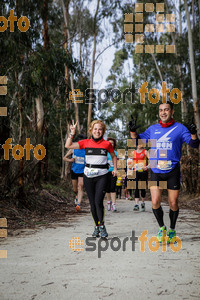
(166, 144)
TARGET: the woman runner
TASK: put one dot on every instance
(96, 169)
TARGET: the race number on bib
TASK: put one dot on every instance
(91, 172)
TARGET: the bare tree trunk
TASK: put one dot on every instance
(42, 129)
(157, 67)
(39, 127)
(63, 150)
(45, 24)
(193, 72)
(66, 67)
(39, 114)
(192, 15)
(180, 19)
(93, 66)
(178, 66)
(199, 17)
(21, 161)
(80, 57)
(66, 21)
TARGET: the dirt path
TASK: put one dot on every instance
(42, 266)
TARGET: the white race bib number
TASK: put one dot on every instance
(91, 172)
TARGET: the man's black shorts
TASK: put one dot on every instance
(75, 175)
(172, 178)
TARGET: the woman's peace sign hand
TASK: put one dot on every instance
(73, 127)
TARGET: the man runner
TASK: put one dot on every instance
(166, 140)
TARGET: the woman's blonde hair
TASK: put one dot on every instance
(103, 125)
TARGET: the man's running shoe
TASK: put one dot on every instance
(130, 198)
(114, 207)
(76, 201)
(109, 205)
(78, 208)
(103, 232)
(162, 234)
(142, 206)
(96, 231)
(136, 207)
(171, 236)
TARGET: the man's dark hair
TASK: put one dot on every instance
(170, 103)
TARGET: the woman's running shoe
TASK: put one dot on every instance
(78, 208)
(103, 232)
(142, 206)
(109, 205)
(76, 201)
(136, 207)
(96, 231)
(114, 207)
(161, 236)
(171, 236)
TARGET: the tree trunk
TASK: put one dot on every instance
(66, 67)
(39, 131)
(45, 24)
(157, 67)
(21, 161)
(39, 113)
(4, 164)
(179, 71)
(180, 19)
(193, 72)
(80, 57)
(199, 17)
(93, 67)
(192, 15)
(66, 22)
(62, 175)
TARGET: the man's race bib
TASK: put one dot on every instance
(164, 164)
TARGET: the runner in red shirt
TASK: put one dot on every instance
(140, 156)
(96, 170)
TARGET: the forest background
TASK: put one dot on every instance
(65, 49)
